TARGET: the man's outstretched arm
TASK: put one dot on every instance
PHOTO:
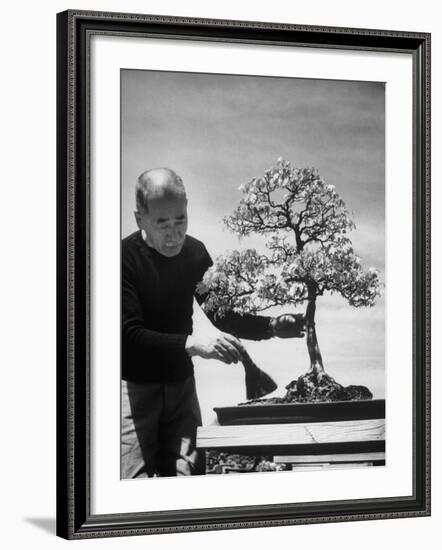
(256, 327)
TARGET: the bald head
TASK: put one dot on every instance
(158, 183)
(162, 210)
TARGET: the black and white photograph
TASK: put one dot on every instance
(253, 280)
(222, 255)
(243, 274)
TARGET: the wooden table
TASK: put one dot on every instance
(304, 445)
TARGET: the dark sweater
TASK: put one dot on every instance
(157, 307)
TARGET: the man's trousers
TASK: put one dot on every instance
(158, 429)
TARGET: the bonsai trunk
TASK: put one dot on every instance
(316, 365)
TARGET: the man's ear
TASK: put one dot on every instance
(137, 218)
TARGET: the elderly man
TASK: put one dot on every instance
(161, 266)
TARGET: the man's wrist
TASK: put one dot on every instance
(272, 327)
(189, 347)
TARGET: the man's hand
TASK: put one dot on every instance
(288, 326)
(224, 347)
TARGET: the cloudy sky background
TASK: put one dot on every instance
(218, 131)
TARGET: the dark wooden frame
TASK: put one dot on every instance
(74, 519)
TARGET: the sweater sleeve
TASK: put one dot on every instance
(135, 335)
(247, 326)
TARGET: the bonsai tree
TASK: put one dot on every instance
(308, 253)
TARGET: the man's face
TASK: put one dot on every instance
(165, 225)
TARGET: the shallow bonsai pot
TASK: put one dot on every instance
(289, 413)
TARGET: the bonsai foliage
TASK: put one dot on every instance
(309, 251)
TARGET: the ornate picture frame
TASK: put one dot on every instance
(76, 518)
